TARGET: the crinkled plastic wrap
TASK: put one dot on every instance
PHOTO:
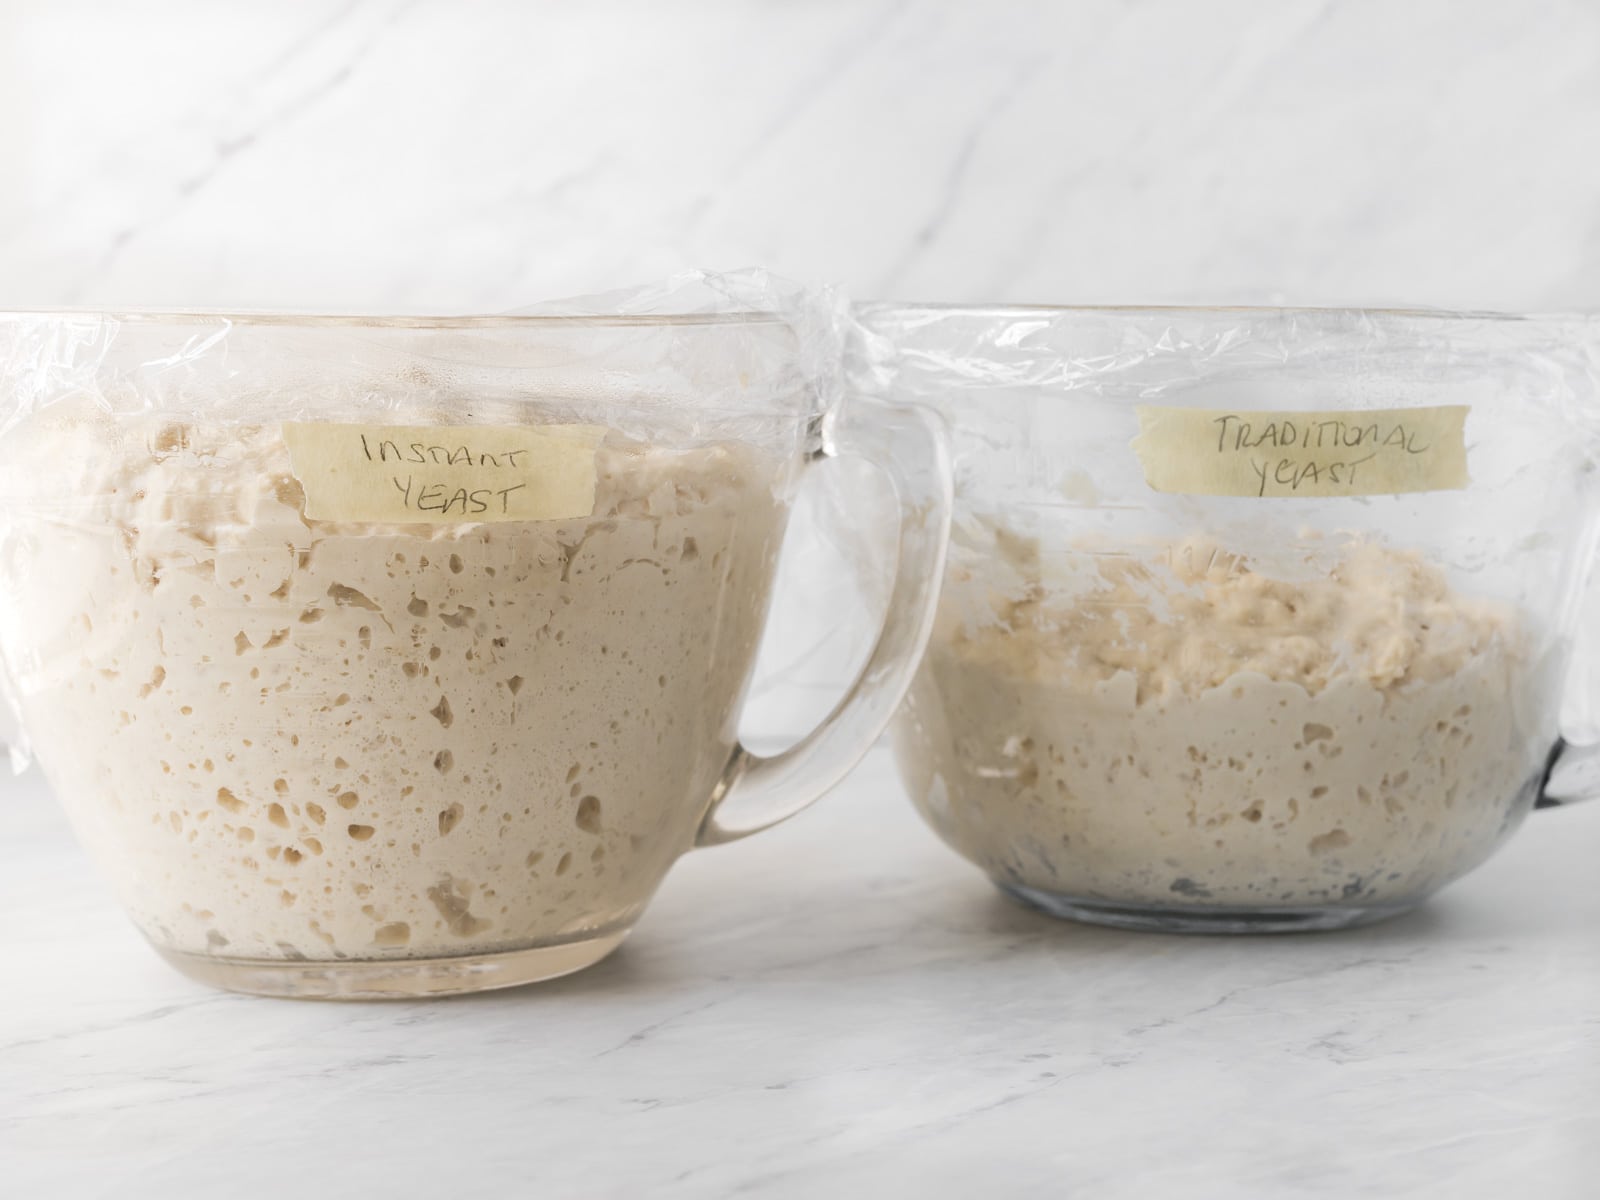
(1160, 689)
(763, 352)
(701, 359)
(1042, 403)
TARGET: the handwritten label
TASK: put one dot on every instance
(444, 474)
(1349, 452)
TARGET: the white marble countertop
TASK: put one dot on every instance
(840, 1007)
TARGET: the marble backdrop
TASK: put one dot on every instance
(434, 155)
(419, 155)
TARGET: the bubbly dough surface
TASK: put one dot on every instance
(1188, 730)
(290, 739)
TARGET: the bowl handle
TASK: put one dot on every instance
(908, 445)
(1572, 769)
(1571, 773)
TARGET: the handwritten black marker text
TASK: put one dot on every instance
(439, 456)
(1235, 434)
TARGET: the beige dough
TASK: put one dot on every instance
(1190, 731)
(298, 740)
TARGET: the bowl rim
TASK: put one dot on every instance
(946, 308)
(325, 320)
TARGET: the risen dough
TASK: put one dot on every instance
(299, 740)
(1190, 731)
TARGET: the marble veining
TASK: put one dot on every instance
(837, 1007)
(402, 155)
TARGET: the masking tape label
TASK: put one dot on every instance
(444, 474)
(1349, 452)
